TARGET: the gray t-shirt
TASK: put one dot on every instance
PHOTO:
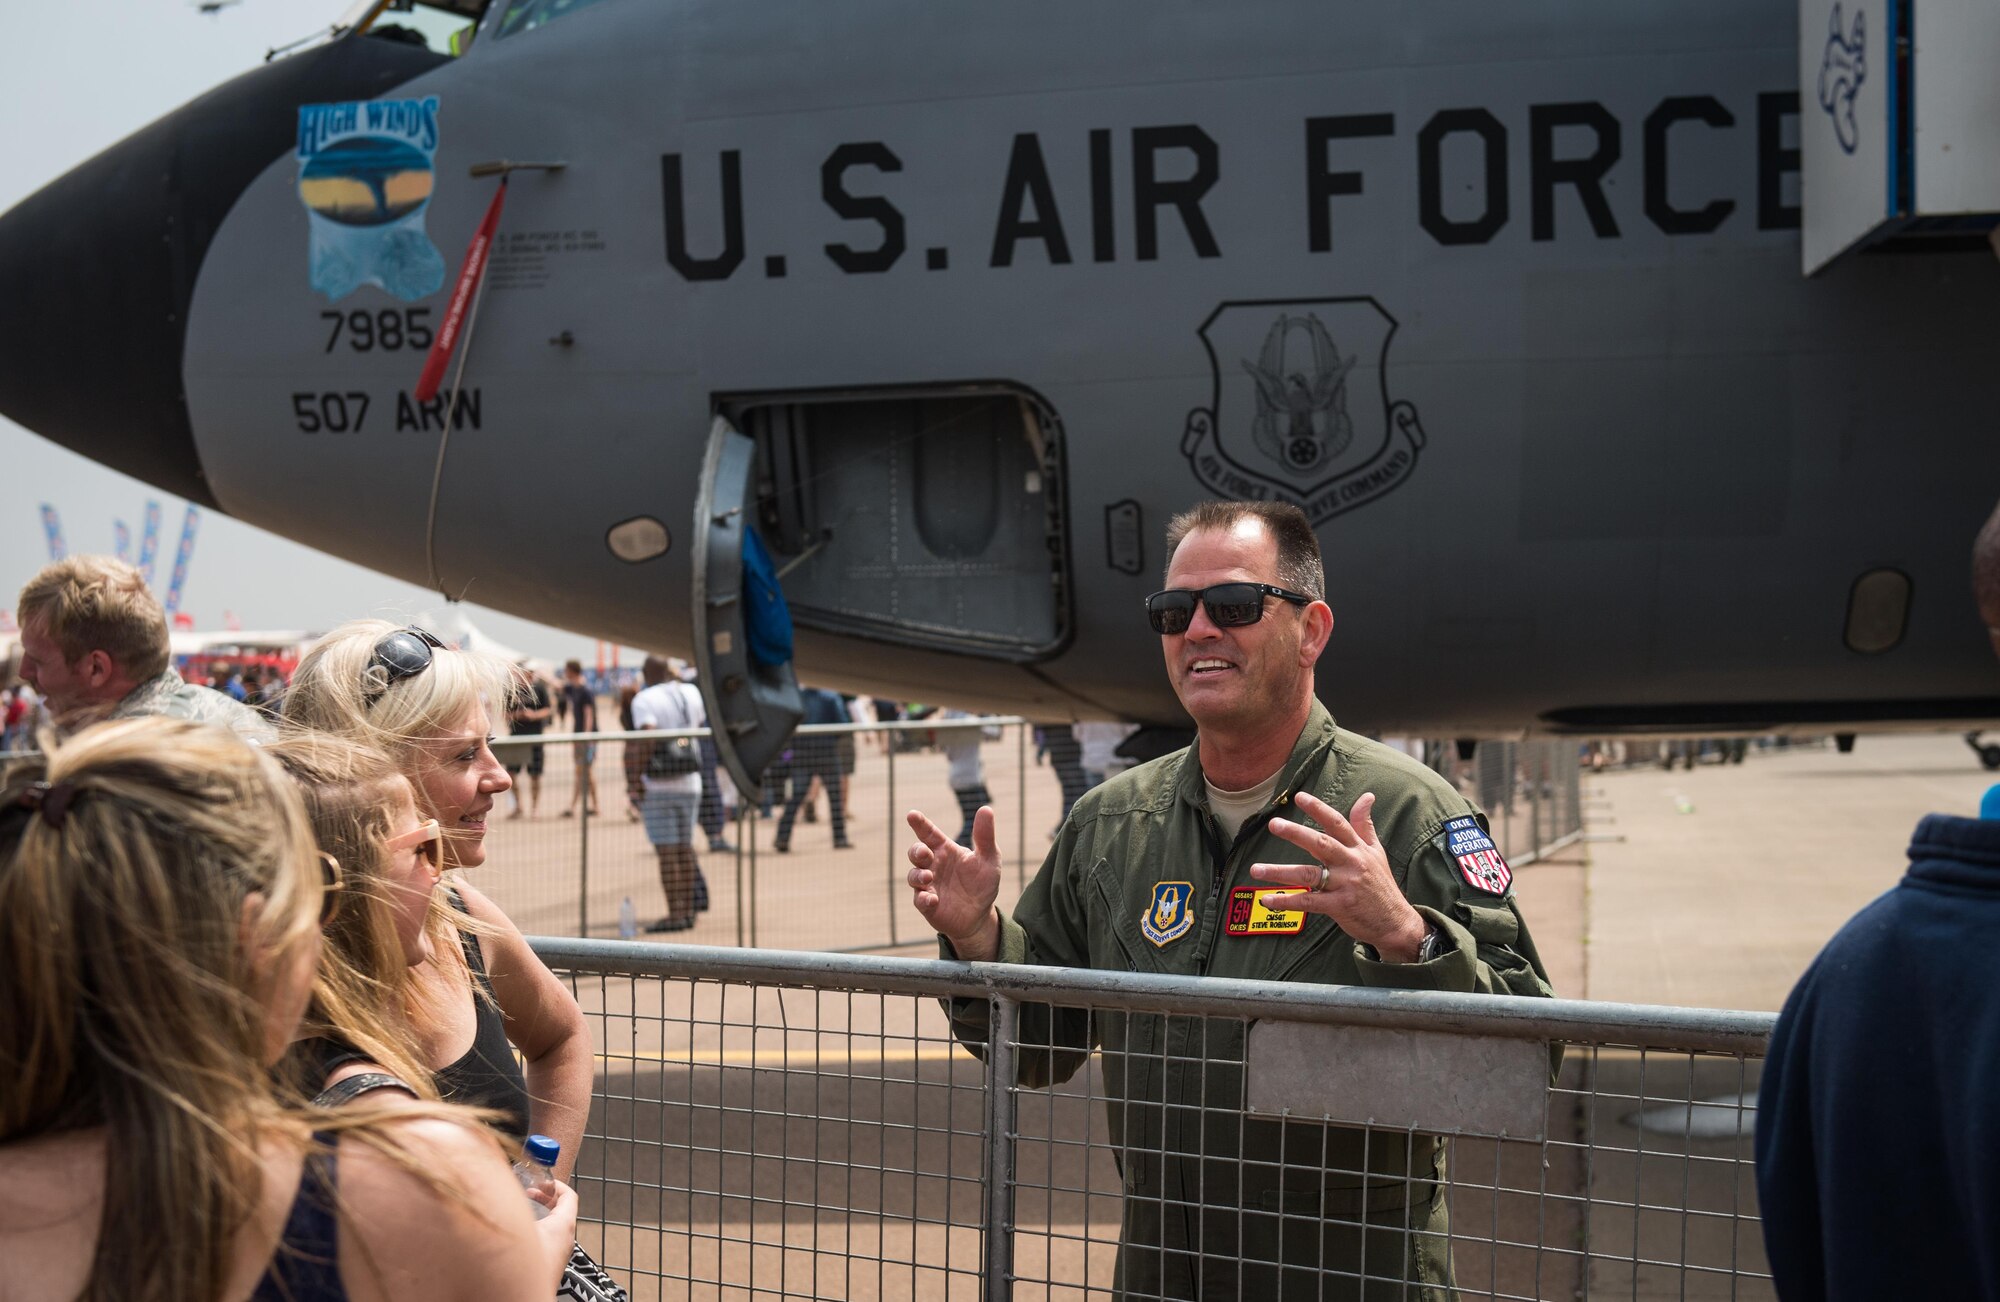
(1233, 808)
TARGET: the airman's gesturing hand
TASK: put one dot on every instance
(956, 885)
(1349, 879)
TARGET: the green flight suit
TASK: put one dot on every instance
(1219, 1205)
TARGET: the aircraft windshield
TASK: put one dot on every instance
(445, 26)
(526, 15)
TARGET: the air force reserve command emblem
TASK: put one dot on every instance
(1302, 411)
(1169, 913)
(1478, 859)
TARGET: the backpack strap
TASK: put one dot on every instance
(355, 1086)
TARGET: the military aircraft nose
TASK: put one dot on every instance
(98, 267)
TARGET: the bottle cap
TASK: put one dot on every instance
(542, 1149)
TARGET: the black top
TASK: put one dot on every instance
(486, 1076)
(306, 1265)
(582, 707)
(534, 695)
(1875, 1121)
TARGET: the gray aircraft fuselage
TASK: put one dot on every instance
(1507, 296)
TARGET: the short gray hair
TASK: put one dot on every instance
(1299, 564)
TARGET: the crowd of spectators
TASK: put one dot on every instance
(250, 973)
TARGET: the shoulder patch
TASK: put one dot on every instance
(1478, 859)
(1169, 915)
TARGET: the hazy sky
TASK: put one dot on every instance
(76, 77)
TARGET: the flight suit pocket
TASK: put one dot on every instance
(1124, 950)
(1289, 954)
(1490, 924)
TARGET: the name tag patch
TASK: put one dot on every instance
(1261, 911)
(1169, 914)
(1478, 859)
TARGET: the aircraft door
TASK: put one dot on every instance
(914, 516)
(753, 708)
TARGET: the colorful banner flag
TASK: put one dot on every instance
(52, 530)
(181, 558)
(149, 542)
(122, 534)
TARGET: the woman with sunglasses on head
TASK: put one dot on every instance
(160, 911)
(430, 708)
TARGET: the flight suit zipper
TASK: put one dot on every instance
(1219, 872)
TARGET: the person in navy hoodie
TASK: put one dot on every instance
(1878, 1119)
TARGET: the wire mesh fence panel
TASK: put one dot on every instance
(757, 1140)
(769, 880)
(844, 1127)
(559, 869)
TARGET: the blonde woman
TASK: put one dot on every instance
(160, 906)
(394, 918)
(430, 708)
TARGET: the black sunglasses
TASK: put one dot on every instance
(332, 880)
(1230, 605)
(404, 653)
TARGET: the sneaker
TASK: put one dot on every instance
(722, 846)
(670, 924)
(782, 847)
(843, 844)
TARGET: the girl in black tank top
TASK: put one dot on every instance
(487, 1075)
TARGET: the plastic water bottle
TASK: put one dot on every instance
(628, 919)
(537, 1171)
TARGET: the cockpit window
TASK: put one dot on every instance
(526, 15)
(443, 26)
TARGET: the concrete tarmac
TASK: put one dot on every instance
(1724, 882)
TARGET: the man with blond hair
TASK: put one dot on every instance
(94, 645)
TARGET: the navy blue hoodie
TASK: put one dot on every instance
(1878, 1148)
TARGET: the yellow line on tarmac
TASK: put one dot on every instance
(794, 1058)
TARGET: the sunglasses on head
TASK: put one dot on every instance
(402, 654)
(428, 839)
(1229, 605)
(331, 881)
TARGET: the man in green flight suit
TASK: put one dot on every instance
(1204, 862)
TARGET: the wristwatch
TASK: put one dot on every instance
(1431, 946)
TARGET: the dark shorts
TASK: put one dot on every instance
(535, 761)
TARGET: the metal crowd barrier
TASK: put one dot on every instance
(561, 875)
(775, 1124)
